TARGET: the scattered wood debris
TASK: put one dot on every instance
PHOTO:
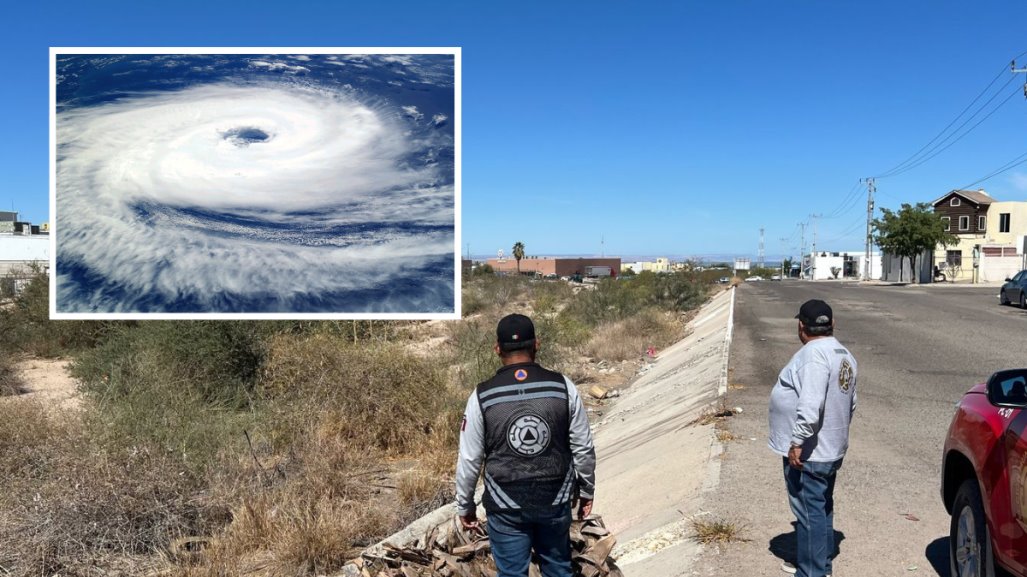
(447, 550)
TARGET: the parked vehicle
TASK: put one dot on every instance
(984, 478)
(775, 277)
(724, 280)
(1015, 290)
(754, 278)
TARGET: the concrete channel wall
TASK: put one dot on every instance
(653, 464)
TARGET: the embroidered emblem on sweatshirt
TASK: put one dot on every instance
(845, 376)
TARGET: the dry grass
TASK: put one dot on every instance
(628, 338)
(711, 415)
(10, 382)
(716, 531)
(726, 436)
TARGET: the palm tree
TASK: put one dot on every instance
(518, 254)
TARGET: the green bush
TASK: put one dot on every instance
(27, 328)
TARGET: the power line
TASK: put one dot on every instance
(1007, 166)
(930, 149)
(847, 203)
(939, 148)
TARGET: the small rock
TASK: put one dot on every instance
(738, 410)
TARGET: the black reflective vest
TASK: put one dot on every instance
(528, 460)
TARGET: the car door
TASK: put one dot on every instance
(1015, 445)
(1011, 290)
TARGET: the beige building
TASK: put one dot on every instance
(661, 264)
(991, 236)
(560, 266)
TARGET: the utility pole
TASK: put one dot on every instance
(813, 262)
(802, 252)
(784, 243)
(759, 262)
(871, 189)
(1016, 70)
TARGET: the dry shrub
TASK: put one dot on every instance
(628, 338)
(376, 395)
(10, 381)
(70, 503)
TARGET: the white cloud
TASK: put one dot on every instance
(155, 199)
(1019, 181)
(278, 65)
(412, 112)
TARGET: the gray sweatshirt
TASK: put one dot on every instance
(472, 450)
(813, 401)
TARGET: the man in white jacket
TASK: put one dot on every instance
(811, 407)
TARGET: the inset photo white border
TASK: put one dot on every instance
(279, 133)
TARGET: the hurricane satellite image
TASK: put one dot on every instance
(246, 183)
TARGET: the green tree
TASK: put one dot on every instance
(910, 231)
(518, 254)
(786, 267)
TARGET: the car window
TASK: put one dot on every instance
(1018, 277)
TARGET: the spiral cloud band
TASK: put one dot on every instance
(252, 197)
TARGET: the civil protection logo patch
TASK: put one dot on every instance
(520, 374)
(528, 435)
(845, 376)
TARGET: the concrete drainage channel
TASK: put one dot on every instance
(655, 463)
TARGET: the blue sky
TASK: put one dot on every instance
(665, 128)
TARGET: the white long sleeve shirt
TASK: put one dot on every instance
(813, 401)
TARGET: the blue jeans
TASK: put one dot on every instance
(513, 534)
(811, 496)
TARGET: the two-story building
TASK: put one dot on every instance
(991, 236)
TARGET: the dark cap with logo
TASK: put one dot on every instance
(815, 313)
(515, 332)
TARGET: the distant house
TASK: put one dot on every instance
(23, 247)
(560, 266)
(990, 231)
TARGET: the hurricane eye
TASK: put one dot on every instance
(245, 136)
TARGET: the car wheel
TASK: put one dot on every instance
(969, 544)
(1002, 300)
(1023, 300)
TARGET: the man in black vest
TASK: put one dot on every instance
(529, 427)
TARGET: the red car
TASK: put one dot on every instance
(984, 478)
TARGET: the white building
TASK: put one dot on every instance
(20, 251)
(824, 265)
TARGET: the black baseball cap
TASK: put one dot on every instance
(515, 332)
(815, 313)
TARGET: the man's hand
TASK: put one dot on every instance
(470, 521)
(584, 508)
(793, 457)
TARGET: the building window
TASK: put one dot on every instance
(954, 257)
(964, 222)
(955, 201)
(1003, 222)
(982, 223)
(948, 223)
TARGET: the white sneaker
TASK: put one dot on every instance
(790, 569)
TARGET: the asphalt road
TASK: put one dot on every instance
(919, 349)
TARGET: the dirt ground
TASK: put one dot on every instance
(48, 381)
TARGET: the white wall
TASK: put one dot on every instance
(24, 248)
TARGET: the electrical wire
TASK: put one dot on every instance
(935, 151)
(931, 148)
(1007, 166)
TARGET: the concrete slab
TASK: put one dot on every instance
(652, 466)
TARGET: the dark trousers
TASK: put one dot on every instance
(514, 534)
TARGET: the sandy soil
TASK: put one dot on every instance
(48, 381)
